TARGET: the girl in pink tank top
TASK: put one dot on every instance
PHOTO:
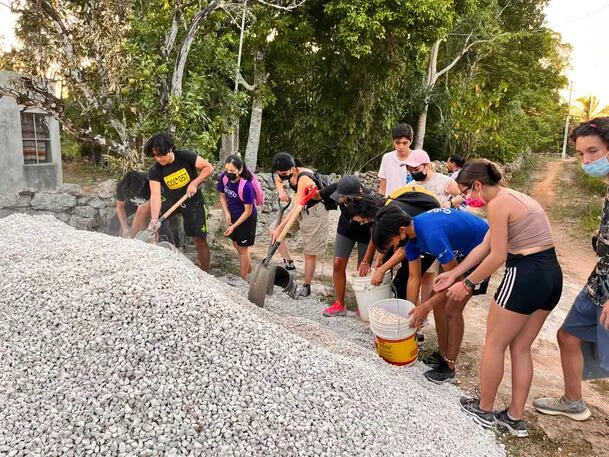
(520, 236)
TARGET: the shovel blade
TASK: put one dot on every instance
(259, 284)
(284, 279)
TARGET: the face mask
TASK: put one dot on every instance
(419, 175)
(597, 169)
(475, 202)
(231, 176)
(285, 177)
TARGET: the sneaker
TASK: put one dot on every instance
(305, 291)
(471, 406)
(576, 410)
(516, 427)
(336, 309)
(441, 374)
(420, 338)
(289, 265)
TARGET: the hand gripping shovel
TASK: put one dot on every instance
(148, 235)
(265, 275)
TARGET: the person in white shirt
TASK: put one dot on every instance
(454, 164)
(393, 173)
(443, 187)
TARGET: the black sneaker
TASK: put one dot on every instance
(289, 265)
(471, 406)
(441, 374)
(516, 427)
(305, 291)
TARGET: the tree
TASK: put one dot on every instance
(128, 67)
(589, 108)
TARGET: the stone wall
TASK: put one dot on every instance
(85, 210)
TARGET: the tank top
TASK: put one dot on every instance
(531, 230)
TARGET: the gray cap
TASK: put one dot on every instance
(347, 185)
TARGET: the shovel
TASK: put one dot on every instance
(265, 275)
(148, 235)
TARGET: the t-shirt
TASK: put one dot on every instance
(598, 282)
(231, 191)
(175, 176)
(455, 173)
(133, 188)
(446, 234)
(394, 171)
(437, 185)
(352, 230)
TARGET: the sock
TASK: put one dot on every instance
(510, 417)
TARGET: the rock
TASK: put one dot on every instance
(86, 212)
(97, 202)
(84, 223)
(53, 201)
(106, 190)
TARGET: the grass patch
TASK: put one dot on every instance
(538, 444)
(579, 201)
(521, 179)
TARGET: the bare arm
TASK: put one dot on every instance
(413, 285)
(382, 186)
(122, 216)
(247, 212)
(283, 196)
(155, 201)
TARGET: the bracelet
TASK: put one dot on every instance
(364, 263)
(468, 283)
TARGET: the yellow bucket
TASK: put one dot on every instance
(398, 352)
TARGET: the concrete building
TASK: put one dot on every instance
(30, 148)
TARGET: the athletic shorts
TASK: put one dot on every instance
(531, 282)
(344, 245)
(583, 322)
(245, 233)
(313, 226)
(193, 213)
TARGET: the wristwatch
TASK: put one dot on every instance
(470, 285)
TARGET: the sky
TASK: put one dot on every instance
(581, 23)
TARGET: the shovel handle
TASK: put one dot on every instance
(293, 216)
(170, 211)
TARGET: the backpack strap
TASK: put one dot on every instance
(224, 179)
(310, 175)
(242, 182)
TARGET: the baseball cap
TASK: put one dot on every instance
(417, 157)
(347, 185)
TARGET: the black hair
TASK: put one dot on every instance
(237, 162)
(282, 161)
(159, 143)
(132, 183)
(598, 126)
(457, 160)
(387, 224)
(481, 170)
(402, 130)
(366, 205)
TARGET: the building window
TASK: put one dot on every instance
(36, 138)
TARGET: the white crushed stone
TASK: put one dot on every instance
(115, 347)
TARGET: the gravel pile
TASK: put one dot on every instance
(115, 347)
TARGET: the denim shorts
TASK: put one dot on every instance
(583, 322)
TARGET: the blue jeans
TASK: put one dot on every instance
(583, 322)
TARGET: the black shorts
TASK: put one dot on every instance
(245, 233)
(193, 213)
(531, 282)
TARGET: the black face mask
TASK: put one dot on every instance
(419, 175)
(285, 177)
(403, 242)
(231, 176)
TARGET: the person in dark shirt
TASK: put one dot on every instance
(176, 173)
(132, 191)
(588, 319)
(237, 198)
(348, 233)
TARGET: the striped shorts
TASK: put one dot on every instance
(531, 282)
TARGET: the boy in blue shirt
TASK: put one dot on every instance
(449, 235)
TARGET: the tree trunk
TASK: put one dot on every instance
(421, 126)
(230, 140)
(253, 137)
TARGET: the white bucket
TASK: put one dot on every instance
(396, 342)
(367, 295)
